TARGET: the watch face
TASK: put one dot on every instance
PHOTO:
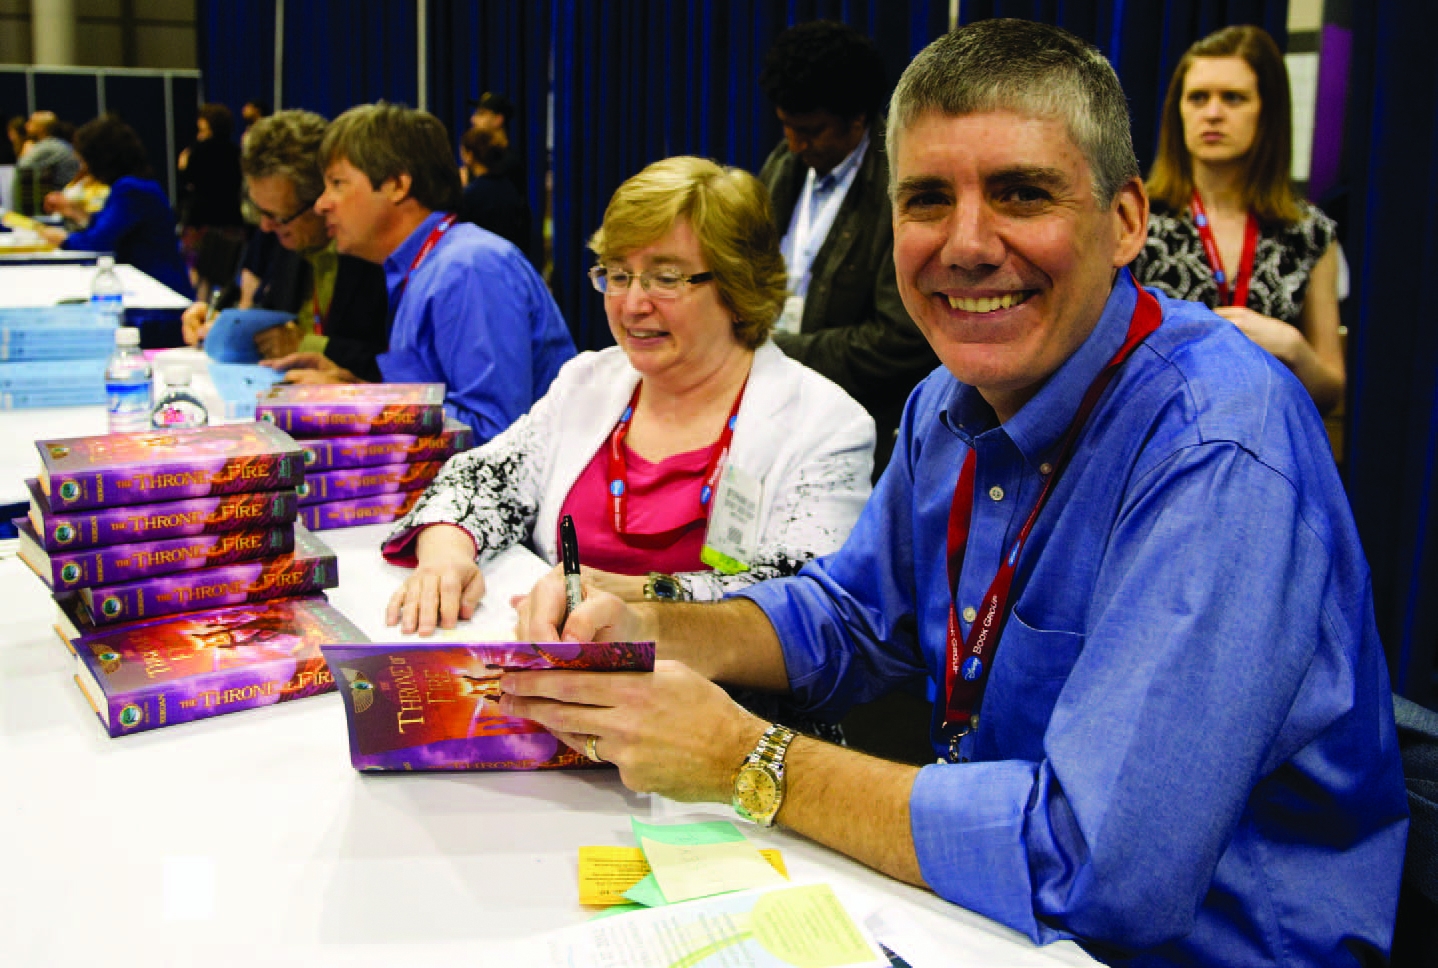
(755, 790)
(664, 588)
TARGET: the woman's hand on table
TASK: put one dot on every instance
(446, 584)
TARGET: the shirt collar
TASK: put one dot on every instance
(396, 267)
(1040, 424)
(844, 169)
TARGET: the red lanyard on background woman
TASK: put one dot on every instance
(1239, 294)
(619, 465)
(970, 661)
(430, 242)
(319, 316)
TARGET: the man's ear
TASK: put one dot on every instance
(1130, 215)
(397, 188)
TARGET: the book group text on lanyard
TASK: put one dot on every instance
(619, 466)
(430, 242)
(969, 661)
(1238, 295)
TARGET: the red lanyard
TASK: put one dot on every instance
(319, 316)
(1239, 295)
(970, 661)
(619, 466)
(430, 242)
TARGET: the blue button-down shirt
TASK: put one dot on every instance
(1186, 747)
(476, 317)
(824, 204)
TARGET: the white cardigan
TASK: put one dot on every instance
(805, 439)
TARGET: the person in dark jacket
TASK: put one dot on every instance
(489, 199)
(829, 180)
(137, 223)
(209, 181)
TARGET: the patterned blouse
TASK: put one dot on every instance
(1172, 261)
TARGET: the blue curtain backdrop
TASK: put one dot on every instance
(494, 45)
(1393, 344)
(237, 51)
(639, 80)
(339, 53)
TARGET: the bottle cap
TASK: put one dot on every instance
(175, 374)
(105, 262)
(127, 336)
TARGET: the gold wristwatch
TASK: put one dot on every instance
(660, 587)
(759, 784)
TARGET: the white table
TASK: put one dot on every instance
(249, 840)
(48, 285)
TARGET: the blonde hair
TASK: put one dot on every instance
(731, 216)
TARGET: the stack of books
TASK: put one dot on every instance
(53, 356)
(370, 449)
(184, 535)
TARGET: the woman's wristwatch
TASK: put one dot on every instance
(660, 587)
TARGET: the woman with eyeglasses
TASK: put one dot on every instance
(693, 456)
(1227, 228)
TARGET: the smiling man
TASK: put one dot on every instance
(1112, 537)
(468, 310)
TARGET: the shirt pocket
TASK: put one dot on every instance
(1030, 670)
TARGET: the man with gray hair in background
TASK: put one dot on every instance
(1111, 535)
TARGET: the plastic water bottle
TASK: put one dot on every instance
(127, 383)
(107, 294)
(179, 408)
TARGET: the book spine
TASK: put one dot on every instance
(375, 509)
(210, 588)
(353, 482)
(127, 525)
(199, 478)
(352, 419)
(54, 351)
(339, 453)
(230, 691)
(130, 562)
(52, 375)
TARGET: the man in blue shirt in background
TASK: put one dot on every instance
(469, 311)
(1180, 749)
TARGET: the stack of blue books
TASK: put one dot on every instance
(53, 356)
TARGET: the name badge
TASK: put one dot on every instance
(792, 318)
(733, 534)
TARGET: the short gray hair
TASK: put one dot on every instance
(287, 144)
(1030, 68)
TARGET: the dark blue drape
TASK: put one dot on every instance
(339, 53)
(1142, 39)
(639, 80)
(237, 51)
(494, 45)
(1393, 345)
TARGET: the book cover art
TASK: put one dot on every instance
(352, 482)
(69, 570)
(311, 567)
(112, 470)
(146, 675)
(353, 409)
(71, 530)
(414, 706)
(335, 453)
(375, 509)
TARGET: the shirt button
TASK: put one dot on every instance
(1046, 469)
(996, 492)
(970, 614)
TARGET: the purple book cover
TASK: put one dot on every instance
(122, 469)
(334, 453)
(353, 409)
(310, 567)
(68, 570)
(69, 530)
(201, 664)
(414, 706)
(355, 482)
(375, 509)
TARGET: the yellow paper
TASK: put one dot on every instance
(687, 871)
(605, 873)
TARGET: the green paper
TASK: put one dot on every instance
(647, 893)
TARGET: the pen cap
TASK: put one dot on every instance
(569, 546)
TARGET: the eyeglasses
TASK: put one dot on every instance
(283, 221)
(660, 283)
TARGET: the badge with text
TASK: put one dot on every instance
(733, 534)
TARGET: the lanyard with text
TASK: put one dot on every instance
(1239, 294)
(429, 243)
(619, 467)
(970, 661)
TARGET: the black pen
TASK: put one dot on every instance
(569, 549)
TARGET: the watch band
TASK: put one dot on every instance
(767, 759)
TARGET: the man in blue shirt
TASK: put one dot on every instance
(469, 310)
(1181, 749)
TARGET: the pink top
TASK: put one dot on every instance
(662, 497)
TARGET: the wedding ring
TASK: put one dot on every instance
(591, 751)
